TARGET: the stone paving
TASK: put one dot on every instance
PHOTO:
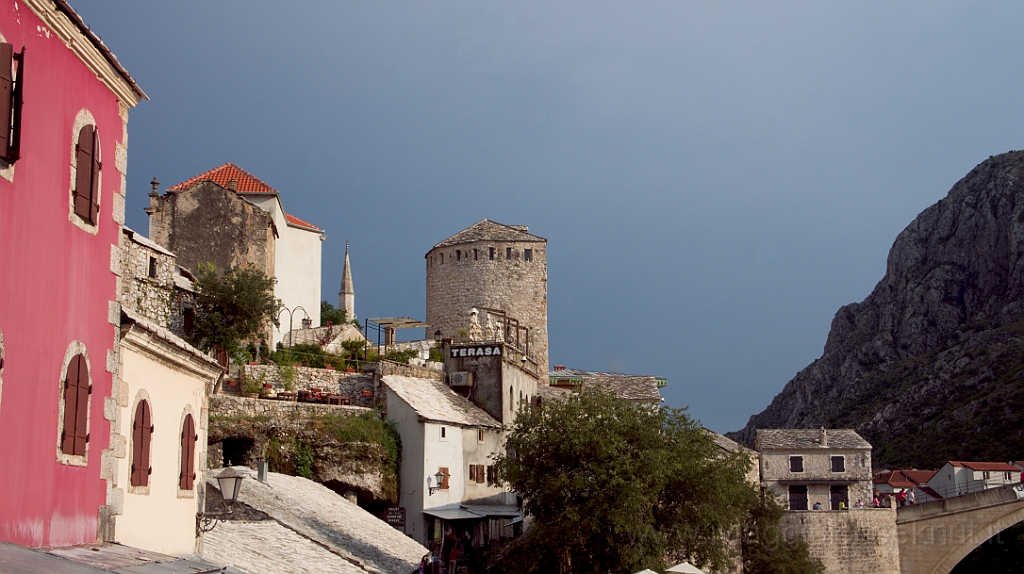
(320, 517)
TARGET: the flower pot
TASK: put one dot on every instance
(251, 395)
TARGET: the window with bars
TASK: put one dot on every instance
(142, 437)
(87, 176)
(187, 473)
(75, 431)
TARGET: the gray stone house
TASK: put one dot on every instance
(808, 466)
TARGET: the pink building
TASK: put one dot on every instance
(62, 181)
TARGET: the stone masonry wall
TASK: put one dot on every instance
(151, 297)
(228, 407)
(852, 541)
(457, 282)
(817, 465)
(351, 385)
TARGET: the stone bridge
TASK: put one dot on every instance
(935, 536)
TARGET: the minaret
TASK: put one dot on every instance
(347, 295)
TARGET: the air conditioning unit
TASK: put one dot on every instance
(460, 379)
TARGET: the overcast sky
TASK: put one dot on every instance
(715, 179)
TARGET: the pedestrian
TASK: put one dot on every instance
(842, 505)
(860, 504)
(901, 498)
(817, 506)
(876, 502)
(911, 497)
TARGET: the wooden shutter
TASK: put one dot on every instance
(67, 436)
(94, 185)
(472, 473)
(444, 483)
(142, 434)
(187, 476)
(83, 177)
(480, 473)
(82, 407)
(6, 97)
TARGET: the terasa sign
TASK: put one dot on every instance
(477, 351)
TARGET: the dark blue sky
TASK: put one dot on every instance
(715, 179)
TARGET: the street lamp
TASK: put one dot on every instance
(439, 477)
(229, 481)
(437, 336)
(291, 317)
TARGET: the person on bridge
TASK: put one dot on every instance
(911, 497)
(817, 506)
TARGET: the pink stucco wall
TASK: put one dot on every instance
(55, 285)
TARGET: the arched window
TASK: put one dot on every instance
(87, 176)
(75, 432)
(142, 436)
(187, 474)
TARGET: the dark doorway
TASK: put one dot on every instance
(236, 451)
(798, 497)
(839, 494)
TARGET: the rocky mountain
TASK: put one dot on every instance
(930, 366)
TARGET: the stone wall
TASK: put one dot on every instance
(231, 407)
(857, 541)
(457, 281)
(385, 368)
(351, 385)
(149, 283)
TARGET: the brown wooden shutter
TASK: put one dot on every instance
(480, 473)
(67, 438)
(6, 96)
(187, 477)
(82, 407)
(444, 483)
(142, 433)
(472, 472)
(83, 177)
(94, 185)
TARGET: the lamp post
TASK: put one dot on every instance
(291, 318)
(439, 477)
(229, 481)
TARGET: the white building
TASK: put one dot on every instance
(959, 477)
(444, 433)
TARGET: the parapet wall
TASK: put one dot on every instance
(855, 541)
(357, 386)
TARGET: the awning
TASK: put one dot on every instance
(494, 511)
(452, 514)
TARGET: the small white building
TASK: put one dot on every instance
(444, 433)
(959, 477)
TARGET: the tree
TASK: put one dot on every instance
(331, 314)
(617, 487)
(233, 307)
(766, 550)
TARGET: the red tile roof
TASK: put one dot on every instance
(295, 221)
(996, 466)
(905, 478)
(221, 175)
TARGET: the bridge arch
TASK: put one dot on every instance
(935, 536)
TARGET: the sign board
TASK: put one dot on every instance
(487, 350)
(395, 517)
(1019, 491)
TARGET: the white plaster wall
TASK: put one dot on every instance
(297, 266)
(444, 452)
(161, 521)
(412, 477)
(477, 452)
(523, 386)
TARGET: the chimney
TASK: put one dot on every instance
(559, 368)
(824, 437)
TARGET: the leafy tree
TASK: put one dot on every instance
(331, 314)
(233, 307)
(766, 550)
(617, 487)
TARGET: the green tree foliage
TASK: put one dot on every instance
(331, 314)
(618, 487)
(233, 307)
(766, 550)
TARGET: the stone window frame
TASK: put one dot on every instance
(799, 460)
(181, 493)
(832, 463)
(442, 436)
(140, 395)
(74, 349)
(82, 119)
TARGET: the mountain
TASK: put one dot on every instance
(930, 366)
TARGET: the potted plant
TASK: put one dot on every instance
(251, 387)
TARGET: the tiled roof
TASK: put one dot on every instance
(296, 222)
(435, 402)
(996, 466)
(626, 387)
(904, 478)
(796, 439)
(222, 175)
(487, 230)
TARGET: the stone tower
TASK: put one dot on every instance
(347, 295)
(490, 266)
